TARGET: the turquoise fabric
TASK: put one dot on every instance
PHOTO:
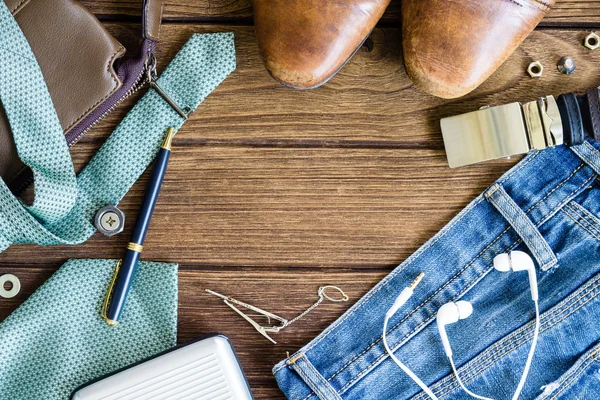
(201, 65)
(57, 340)
(37, 131)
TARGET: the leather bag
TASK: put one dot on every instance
(87, 71)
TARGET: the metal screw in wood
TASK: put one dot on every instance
(566, 65)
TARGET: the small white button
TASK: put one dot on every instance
(14, 290)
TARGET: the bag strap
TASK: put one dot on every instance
(36, 129)
(200, 66)
(151, 18)
(33, 120)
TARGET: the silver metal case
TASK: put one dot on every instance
(204, 369)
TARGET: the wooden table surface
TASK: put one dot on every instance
(273, 192)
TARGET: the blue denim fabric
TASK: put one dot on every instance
(548, 206)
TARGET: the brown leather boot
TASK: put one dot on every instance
(305, 42)
(451, 47)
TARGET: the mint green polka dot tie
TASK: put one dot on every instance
(64, 206)
(57, 340)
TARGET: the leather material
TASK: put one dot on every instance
(305, 42)
(593, 97)
(572, 121)
(152, 17)
(76, 55)
(78, 58)
(580, 115)
(451, 47)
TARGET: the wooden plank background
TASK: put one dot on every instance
(565, 12)
(273, 192)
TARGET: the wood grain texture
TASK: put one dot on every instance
(370, 103)
(273, 192)
(272, 290)
(565, 12)
(291, 207)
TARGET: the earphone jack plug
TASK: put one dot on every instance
(417, 280)
(405, 295)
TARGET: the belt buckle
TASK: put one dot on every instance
(502, 131)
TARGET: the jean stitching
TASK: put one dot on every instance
(492, 190)
(307, 380)
(595, 354)
(522, 335)
(524, 163)
(417, 255)
(592, 219)
(588, 145)
(511, 222)
(321, 378)
(441, 235)
(424, 323)
(593, 150)
(574, 219)
(566, 383)
(417, 308)
(513, 341)
(504, 351)
(584, 228)
(567, 199)
(586, 157)
(394, 273)
(556, 188)
(526, 239)
(549, 320)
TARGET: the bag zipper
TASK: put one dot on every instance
(138, 69)
(147, 70)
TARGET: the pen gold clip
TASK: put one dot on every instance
(108, 294)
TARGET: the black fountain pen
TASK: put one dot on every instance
(127, 266)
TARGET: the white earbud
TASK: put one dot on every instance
(448, 314)
(518, 261)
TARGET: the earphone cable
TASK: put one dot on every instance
(403, 367)
(536, 334)
(462, 385)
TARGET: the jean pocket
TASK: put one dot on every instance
(582, 381)
(565, 335)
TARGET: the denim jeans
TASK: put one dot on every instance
(548, 206)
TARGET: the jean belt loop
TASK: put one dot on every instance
(589, 155)
(522, 225)
(317, 383)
